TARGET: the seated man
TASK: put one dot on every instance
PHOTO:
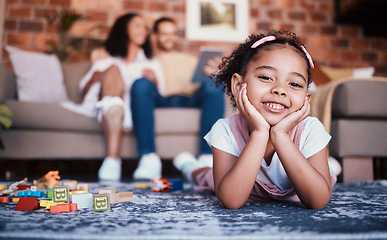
(178, 71)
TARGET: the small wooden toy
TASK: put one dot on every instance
(50, 180)
(162, 185)
(4, 199)
(101, 202)
(49, 193)
(71, 184)
(121, 197)
(64, 207)
(27, 204)
(13, 188)
(106, 191)
(83, 200)
(60, 194)
(84, 186)
(176, 184)
(142, 185)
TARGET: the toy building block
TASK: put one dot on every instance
(73, 206)
(27, 204)
(176, 184)
(142, 185)
(24, 187)
(49, 193)
(121, 197)
(60, 208)
(83, 200)
(84, 186)
(50, 180)
(71, 184)
(101, 202)
(34, 188)
(49, 204)
(4, 199)
(30, 194)
(78, 191)
(43, 203)
(60, 194)
(106, 191)
(15, 199)
(2, 187)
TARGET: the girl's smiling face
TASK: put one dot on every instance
(277, 83)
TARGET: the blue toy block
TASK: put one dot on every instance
(176, 184)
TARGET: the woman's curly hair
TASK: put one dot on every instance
(239, 59)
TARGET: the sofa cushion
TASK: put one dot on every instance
(48, 116)
(358, 138)
(39, 76)
(360, 99)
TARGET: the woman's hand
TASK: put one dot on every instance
(212, 65)
(149, 74)
(249, 112)
(290, 121)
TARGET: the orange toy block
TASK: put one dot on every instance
(66, 207)
(27, 204)
(4, 199)
(60, 208)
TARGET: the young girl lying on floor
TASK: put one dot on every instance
(272, 149)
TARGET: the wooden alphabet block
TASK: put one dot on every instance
(101, 202)
(83, 200)
(60, 194)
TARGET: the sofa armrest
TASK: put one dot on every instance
(7, 84)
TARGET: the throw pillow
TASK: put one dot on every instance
(39, 76)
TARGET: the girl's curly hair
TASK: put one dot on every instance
(239, 59)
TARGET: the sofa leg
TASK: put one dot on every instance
(357, 169)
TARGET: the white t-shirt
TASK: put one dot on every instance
(129, 73)
(313, 139)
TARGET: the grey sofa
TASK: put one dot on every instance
(48, 131)
(355, 113)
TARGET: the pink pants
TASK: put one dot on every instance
(260, 191)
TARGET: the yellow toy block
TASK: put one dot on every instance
(2, 187)
(43, 203)
(78, 191)
(51, 203)
(15, 199)
(142, 185)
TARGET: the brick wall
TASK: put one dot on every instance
(329, 44)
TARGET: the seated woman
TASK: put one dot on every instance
(125, 58)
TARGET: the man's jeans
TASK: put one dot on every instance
(145, 98)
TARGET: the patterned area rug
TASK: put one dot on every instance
(356, 211)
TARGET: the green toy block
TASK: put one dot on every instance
(49, 193)
(101, 202)
(60, 194)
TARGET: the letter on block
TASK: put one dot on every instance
(101, 202)
(60, 194)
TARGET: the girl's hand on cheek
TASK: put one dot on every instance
(249, 112)
(290, 121)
